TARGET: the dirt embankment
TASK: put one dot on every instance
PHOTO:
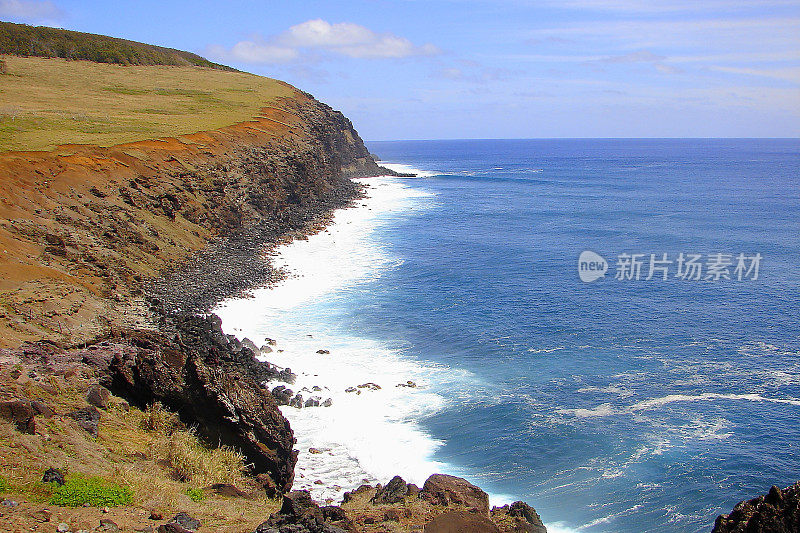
(83, 229)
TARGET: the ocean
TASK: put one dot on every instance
(651, 398)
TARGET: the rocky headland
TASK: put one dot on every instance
(111, 365)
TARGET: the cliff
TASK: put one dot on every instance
(109, 366)
(83, 228)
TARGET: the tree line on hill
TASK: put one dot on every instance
(41, 41)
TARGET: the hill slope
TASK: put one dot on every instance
(48, 102)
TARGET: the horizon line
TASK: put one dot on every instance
(591, 139)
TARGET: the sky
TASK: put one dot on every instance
(452, 69)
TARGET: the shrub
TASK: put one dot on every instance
(196, 495)
(80, 490)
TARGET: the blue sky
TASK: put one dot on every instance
(430, 69)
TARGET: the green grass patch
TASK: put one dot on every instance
(96, 491)
(196, 495)
(3, 485)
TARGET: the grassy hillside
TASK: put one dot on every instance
(41, 41)
(47, 102)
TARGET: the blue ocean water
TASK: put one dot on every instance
(618, 405)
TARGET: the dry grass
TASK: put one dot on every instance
(147, 451)
(47, 102)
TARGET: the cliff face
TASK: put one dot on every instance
(84, 229)
(118, 243)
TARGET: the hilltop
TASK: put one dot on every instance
(42, 41)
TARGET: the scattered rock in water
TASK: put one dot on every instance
(323, 352)
(297, 401)
(316, 388)
(312, 402)
(98, 396)
(314, 450)
(327, 403)
(282, 395)
(53, 475)
(410, 384)
(370, 386)
(88, 419)
(352, 389)
(265, 349)
(250, 345)
(270, 342)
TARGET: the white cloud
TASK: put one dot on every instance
(788, 73)
(641, 56)
(29, 10)
(343, 38)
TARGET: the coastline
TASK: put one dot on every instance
(323, 267)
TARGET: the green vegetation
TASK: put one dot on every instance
(80, 490)
(47, 102)
(3, 485)
(196, 495)
(41, 41)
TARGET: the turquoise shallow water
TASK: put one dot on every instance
(617, 405)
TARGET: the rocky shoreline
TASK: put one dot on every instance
(138, 242)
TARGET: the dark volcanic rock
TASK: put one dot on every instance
(88, 418)
(777, 512)
(394, 492)
(98, 396)
(524, 517)
(186, 521)
(441, 489)
(21, 413)
(299, 514)
(196, 373)
(53, 475)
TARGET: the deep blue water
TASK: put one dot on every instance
(618, 405)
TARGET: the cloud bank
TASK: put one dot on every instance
(29, 10)
(342, 38)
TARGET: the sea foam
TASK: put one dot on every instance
(368, 435)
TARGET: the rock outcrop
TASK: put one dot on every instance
(211, 382)
(777, 512)
(299, 514)
(441, 489)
